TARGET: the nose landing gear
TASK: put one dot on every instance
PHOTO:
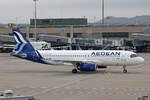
(124, 69)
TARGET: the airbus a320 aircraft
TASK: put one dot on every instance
(83, 60)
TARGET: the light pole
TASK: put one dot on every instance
(35, 17)
(16, 21)
(103, 12)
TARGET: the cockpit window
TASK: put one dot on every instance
(133, 55)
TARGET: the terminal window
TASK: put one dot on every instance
(76, 35)
(115, 35)
(63, 21)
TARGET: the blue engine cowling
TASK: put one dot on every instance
(88, 67)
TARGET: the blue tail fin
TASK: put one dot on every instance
(24, 49)
(23, 45)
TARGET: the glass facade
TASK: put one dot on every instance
(115, 35)
(69, 21)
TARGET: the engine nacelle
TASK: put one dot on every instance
(88, 67)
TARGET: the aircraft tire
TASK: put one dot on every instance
(125, 71)
(74, 71)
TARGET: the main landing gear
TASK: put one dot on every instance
(124, 69)
(74, 70)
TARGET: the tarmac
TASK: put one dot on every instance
(50, 82)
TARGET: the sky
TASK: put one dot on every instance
(20, 11)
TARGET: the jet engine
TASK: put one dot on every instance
(88, 67)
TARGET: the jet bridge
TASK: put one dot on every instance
(59, 41)
(6, 39)
(141, 42)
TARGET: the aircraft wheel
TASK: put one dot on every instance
(74, 71)
(125, 71)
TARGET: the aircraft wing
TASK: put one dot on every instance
(73, 62)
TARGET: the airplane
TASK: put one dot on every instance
(83, 60)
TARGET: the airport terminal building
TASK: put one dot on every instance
(58, 32)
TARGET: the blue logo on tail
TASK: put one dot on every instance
(24, 49)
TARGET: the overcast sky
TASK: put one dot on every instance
(23, 10)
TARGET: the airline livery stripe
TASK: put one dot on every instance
(21, 48)
(18, 46)
(21, 38)
(16, 39)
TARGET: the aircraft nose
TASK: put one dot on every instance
(141, 60)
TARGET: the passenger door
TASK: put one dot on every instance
(124, 57)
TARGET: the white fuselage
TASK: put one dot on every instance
(99, 57)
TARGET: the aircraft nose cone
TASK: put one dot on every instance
(141, 60)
